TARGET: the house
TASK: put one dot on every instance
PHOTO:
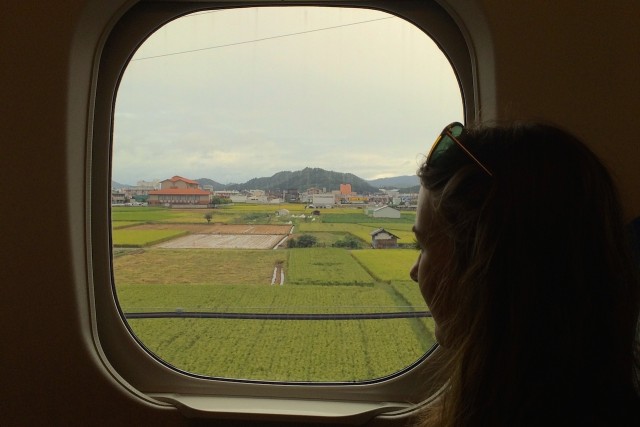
(179, 191)
(382, 239)
(292, 195)
(118, 198)
(385, 212)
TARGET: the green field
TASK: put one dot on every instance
(389, 264)
(139, 238)
(259, 299)
(361, 218)
(143, 213)
(326, 266)
(286, 350)
(321, 280)
(363, 232)
(123, 224)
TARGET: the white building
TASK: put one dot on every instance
(324, 199)
(257, 199)
(386, 212)
(238, 198)
(150, 185)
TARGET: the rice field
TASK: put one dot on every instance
(258, 299)
(185, 264)
(361, 231)
(325, 266)
(286, 350)
(138, 238)
(389, 264)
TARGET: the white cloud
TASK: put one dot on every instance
(365, 98)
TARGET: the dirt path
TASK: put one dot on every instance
(278, 275)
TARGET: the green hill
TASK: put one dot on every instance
(304, 179)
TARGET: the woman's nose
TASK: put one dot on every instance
(413, 273)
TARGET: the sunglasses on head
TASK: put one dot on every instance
(446, 139)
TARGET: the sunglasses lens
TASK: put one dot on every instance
(441, 145)
(456, 130)
(450, 136)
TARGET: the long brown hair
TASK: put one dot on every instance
(546, 298)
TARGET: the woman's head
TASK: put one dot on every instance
(524, 251)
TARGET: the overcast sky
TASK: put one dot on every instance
(238, 94)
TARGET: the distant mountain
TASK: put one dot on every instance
(117, 186)
(399, 182)
(206, 181)
(414, 189)
(304, 179)
(311, 177)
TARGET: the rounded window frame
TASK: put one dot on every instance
(128, 360)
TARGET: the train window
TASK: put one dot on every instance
(244, 162)
(264, 191)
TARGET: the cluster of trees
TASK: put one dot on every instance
(349, 242)
(304, 241)
(220, 201)
(309, 241)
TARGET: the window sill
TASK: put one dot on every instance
(353, 413)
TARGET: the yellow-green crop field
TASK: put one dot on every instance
(389, 264)
(140, 238)
(286, 350)
(325, 266)
(261, 299)
(123, 224)
(319, 281)
(363, 232)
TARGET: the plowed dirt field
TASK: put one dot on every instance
(224, 241)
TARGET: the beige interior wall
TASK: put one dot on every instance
(572, 62)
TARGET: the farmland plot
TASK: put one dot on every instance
(159, 279)
(256, 299)
(196, 266)
(387, 264)
(326, 266)
(224, 241)
(217, 228)
(128, 237)
(285, 350)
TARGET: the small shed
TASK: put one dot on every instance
(382, 239)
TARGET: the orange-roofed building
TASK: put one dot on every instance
(345, 189)
(179, 191)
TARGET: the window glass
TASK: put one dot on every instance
(264, 191)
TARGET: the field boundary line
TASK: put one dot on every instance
(277, 316)
(371, 273)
